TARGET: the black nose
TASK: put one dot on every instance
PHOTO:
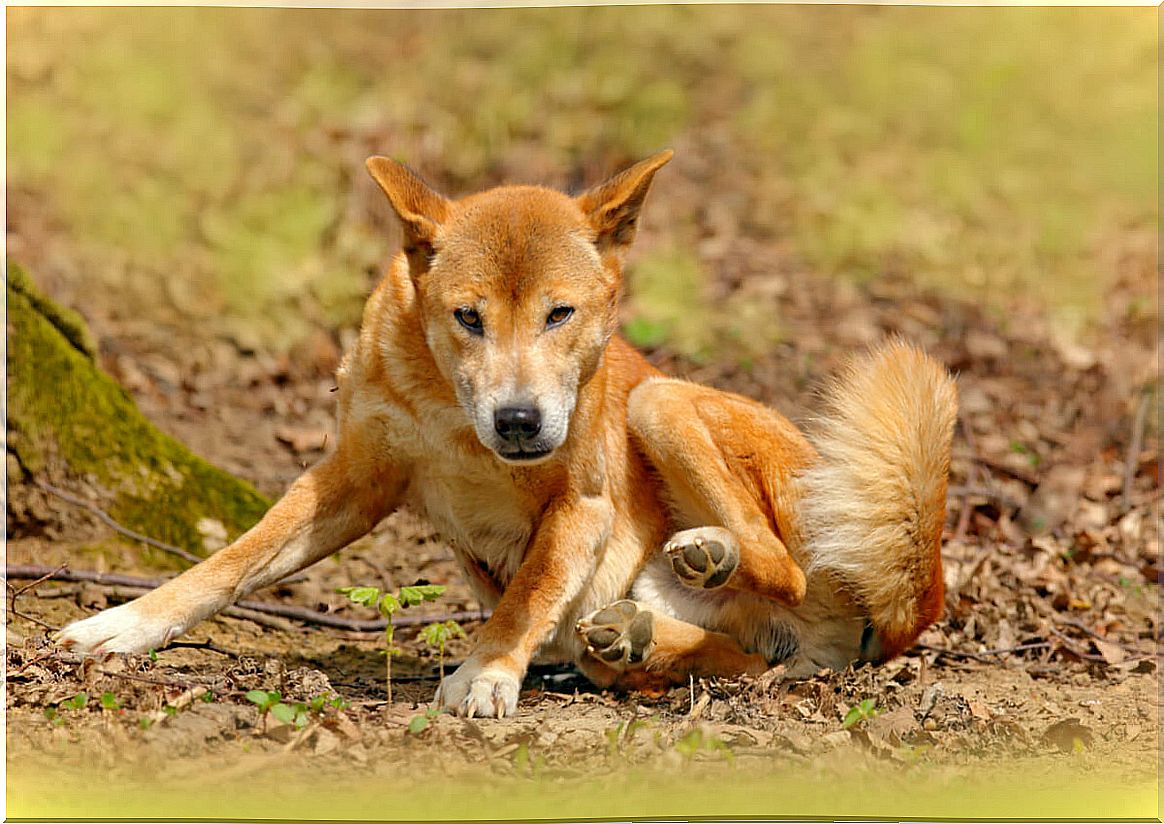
(515, 422)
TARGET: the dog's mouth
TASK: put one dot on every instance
(523, 455)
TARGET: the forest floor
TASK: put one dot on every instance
(1047, 653)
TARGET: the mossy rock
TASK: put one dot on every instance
(67, 418)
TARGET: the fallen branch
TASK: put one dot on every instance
(984, 655)
(240, 608)
(16, 593)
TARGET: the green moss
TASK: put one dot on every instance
(64, 412)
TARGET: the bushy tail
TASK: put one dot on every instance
(874, 504)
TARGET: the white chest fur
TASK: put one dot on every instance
(475, 508)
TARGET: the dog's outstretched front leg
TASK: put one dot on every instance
(558, 564)
(336, 501)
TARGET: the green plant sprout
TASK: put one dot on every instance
(438, 634)
(860, 712)
(109, 701)
(77, 702)
(387, 604)
(270, 702)
(696, 740)
(419, 723)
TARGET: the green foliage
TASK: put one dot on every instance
(697, 741)
(271, 702)
(859, 713)
(109, 701)
(439, 633)
(419, 723)
(77, 702)
(617, 738)
(387, 604)
(53, 715)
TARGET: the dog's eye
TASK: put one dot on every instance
(470, 319)
(559, 315)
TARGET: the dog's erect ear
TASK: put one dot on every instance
(613, 207)
(419, 208)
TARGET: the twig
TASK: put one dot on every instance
(207, 645)
(116, 527)
(982, 656)
(1023, 475)
(16, 593)
(1134, 447)
(984, 492)
(307, 616)
(1072, 646)
(1068, 622)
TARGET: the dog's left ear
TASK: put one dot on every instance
(420, 209)
(613, 207)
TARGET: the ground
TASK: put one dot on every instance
(1040, 680)
(1046, 653)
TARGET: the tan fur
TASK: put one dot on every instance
(875, 503)
(859, 504)
(550, 524)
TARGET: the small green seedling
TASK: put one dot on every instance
(77, 702)
(419, 723)
(109, 701)
(270, 702)
(861, 712)
(696, 740)
(618, 737)
(440, 633)
(54, 716)
(321, 702)
(387, 604)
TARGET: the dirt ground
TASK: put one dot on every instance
(1047, 652)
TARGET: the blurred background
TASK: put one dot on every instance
(192, 181)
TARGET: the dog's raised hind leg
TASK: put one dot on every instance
(727, 462)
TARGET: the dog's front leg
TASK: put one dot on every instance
(336, 501)
(560, 560)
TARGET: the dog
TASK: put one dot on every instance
(489, 390)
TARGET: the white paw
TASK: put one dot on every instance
(121, 629)
(480, 690)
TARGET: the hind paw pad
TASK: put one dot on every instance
(704, 557)
(621, 635)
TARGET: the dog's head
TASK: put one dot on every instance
(518, 289)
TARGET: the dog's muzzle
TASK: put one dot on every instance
(518, 427)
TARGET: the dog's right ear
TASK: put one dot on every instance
(420, 209)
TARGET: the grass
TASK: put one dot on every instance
(206, 157)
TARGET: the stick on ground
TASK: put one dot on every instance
(307, 616)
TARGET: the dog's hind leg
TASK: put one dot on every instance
(727, 462)
(632, 646)
(336, 501)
